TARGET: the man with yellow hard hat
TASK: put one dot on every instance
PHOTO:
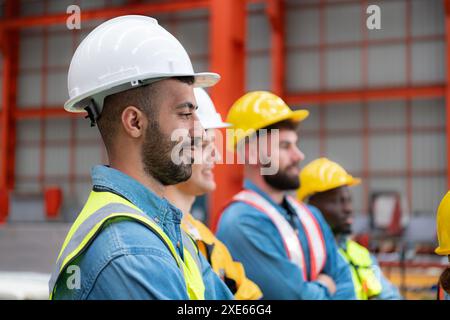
(285, 246)
(324, 184)
(183, 195)
(443, 234)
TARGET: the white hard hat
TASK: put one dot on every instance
(123, 53)
(206, 112)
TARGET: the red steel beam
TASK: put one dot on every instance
(276, 13)
(447, 87)
(10, 51)
(434, 91)
(104, 13)
(227, 47)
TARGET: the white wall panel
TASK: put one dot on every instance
(258, 32)
(428, 112)
(31, 7)
(429, 151)
(312, 122)
(57, 160)
(57, 92)
(343, 68)
(31, 51)
(302, 71)
(302, 27)
(27, 160)
(428, 62)
(343, 116)
(86, 157)
(310, 146)
(346, 151)
(387, 152)
(60, 50)
(258, 73)
(387, 114)
(343, 23)
(427, 193)
(193, 35)
(57, 129)
(28, 130)
(427, 17)
(387, 65)
(29, 95)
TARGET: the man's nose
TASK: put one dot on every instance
(348, 207)
(298, 154)
(197, 131)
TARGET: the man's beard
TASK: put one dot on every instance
(282, 180)
(156, 156)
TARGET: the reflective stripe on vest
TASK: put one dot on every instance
(290, 238)
(89, 223)
(191, 247)
(366, 283)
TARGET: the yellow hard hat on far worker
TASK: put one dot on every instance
(257, 110)
(443, 226)
(322, 175)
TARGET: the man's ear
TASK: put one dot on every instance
(134, 121)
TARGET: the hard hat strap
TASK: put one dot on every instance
(93, 112)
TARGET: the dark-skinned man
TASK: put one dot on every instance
(324, 184)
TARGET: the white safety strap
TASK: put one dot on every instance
(314, 235)
(290, 239)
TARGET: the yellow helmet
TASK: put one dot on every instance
(443, 226)
(259, 109)
(321, 175)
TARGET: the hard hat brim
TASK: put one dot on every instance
(201, 79)
(442, 252)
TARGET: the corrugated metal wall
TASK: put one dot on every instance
(324, 52)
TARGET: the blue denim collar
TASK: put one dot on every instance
(342, 242)
(154, 206)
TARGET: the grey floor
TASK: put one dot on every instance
(30, 247)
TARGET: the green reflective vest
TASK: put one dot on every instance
(103, 206)
(365, 280)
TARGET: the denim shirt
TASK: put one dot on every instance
(126, 260)
(253, 240)
(389, 291)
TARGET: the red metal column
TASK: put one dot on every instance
(227, 44)
(275, 12)
(10, 48)
(447, 90)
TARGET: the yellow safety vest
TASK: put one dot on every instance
(104, 206)
(220, 259)
(365, 281)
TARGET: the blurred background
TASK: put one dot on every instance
(377, 102)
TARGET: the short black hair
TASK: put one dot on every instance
(113, 106)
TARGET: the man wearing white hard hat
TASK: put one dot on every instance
(136, 82)
(201, 182)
